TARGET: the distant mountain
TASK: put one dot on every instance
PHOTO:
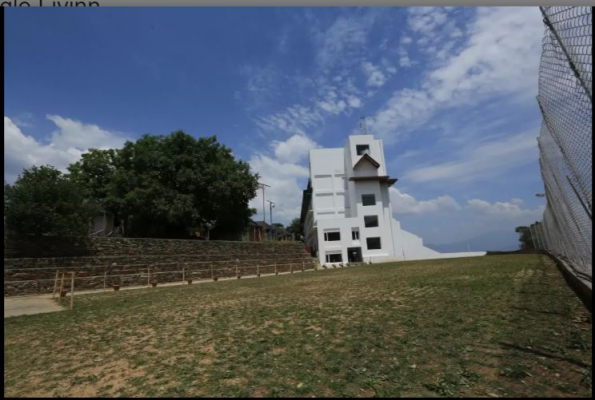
(493, 241)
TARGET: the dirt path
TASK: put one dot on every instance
(27, 305)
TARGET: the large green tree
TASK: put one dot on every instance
(43, 202)
(163, 185)
(94, 172)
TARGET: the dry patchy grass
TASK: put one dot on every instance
(489, 326)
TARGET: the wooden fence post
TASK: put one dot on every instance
(148, 276)
(276, 272)
(62, 283)
(105, 278)
(212, 274)
(55, 284)
(183, 274)
(257, 270)
(71, 290)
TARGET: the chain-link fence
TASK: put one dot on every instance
(565, 140)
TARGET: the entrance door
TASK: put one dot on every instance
(354, 254)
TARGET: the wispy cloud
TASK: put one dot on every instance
(375, 77)
(343, 40)
(480, 161)
(404, 203)
(501, 51)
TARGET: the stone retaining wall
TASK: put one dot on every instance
(29, 247)
(127, 262)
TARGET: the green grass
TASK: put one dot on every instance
(501, 325)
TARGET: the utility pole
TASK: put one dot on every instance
(271, 205)
(262, 185)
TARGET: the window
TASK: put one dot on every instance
(355, 233)
(373, 243)
(332, 236)
(368, 199)
(334, 258)
(362, 149)
(371, 221)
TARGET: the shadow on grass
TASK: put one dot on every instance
(540, 311)
(510, 346)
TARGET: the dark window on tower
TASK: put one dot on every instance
(334, 258)
(362, 149)
(371, 221)
(332, 236)
(373, 243)
(368, 200)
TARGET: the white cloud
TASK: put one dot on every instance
(332, 106)
(286, 175)
(68, 142)
(500, 57)
(284, 188)
(443, 220)
(403, 203)
(344, 38)
(354, 102)
(23, 120)
(75, 134)
(425, 20)
(508, 210)
(293, 149)
(374, 75)
(475, 162)
(294, 120)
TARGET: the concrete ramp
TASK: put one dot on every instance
(410, 247)
(28, 305)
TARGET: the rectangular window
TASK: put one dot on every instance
(368, 199)
(362, 149)
(332, 236)
(355, 233)
(371, 221)
(334, 258)
(373, 243)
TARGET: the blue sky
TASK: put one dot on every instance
(451, 91)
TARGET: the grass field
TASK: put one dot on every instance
(496, 326)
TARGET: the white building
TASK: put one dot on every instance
(346, 209)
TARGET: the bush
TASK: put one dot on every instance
(45, 202)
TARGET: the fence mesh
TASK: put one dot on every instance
(565, 140)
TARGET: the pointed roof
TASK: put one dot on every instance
(383, 179)
(369, 159)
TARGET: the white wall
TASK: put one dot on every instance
(337, 205)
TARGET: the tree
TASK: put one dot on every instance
(94, 172)
(296, 227)
(525, 238)
(43, 201)
(278, 225)
(164, 185)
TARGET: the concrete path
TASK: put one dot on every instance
(26, 305)
(43, 303)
